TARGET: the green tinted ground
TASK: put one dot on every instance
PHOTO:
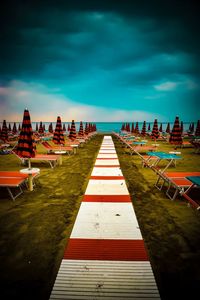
(171, 229)
(34, 229)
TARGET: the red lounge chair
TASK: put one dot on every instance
(13, 179)
(177, 182)
(51, 149)
(51, 159)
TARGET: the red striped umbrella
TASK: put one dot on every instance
(181, 126)
(14, 130)
(132, 127)
(197, 131)
(168, 128)
(143, 132)
(149, 127)
(41, 129)
(9, 127)
(175, 136)
(4, 132)
(64, 128)
(72, 134)
(50, 128)
(26, 146)
(19, 127)
(86, 129)
(137, 128)
(81, 133)
(58, 137)
(155, 132)
(160, 129)
(36, 127)
(68, 128)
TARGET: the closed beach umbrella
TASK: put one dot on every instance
(36, 128)
(58, 137)
(14, 130)
(197, 131)
(175, 136)
(132, 128)
(137, 128)
(149, 127)
(143, 132)
(181, 126)
(64, 128)
(26, 146)
(168, 128)
(155, 132)
(19, 127)
(160, 129)
(86, 129)
(9, 127)
(4, 132)
(50, 128)
(68, 128)
(41, 129)
(81, 133)
(72, 134)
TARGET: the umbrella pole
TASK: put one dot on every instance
(30, 177)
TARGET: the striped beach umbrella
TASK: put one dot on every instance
(143, 132)
(41, 129)
(132, 127)
(4, 132)
(68, 128)
(9, 127)
(149, 127)
(155, 132)
(86, 129)
(197, 131)
(36, 127)
(50, 128)
(26, 146)
(72, 134)
(19, 127)
(137, 128)
(58, 137)
(168, 128)
(64, 128)
(14, 130)
(175, 135)
(160, 129)
(81, 133)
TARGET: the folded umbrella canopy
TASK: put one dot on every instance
(168, 128)
(86, 129)
(58, 137)
(41, 128)
(143, 132)
(175, 135)
(155, 132)
(26, 147)
(4, 132)
(14, 130)
(72, 134)
(81, 133)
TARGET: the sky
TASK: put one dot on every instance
(100, 60)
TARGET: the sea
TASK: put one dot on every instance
(106, 127)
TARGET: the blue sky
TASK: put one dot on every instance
(89, 61)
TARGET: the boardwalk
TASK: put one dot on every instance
(105, 257)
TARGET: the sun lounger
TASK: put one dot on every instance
(51, 159)
(177, 182)
(51, 149)
(13, 179)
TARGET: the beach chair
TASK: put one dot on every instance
(13, 180)
(176, 181)
(51, 159)
(51, 149)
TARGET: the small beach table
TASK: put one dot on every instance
(171, 158)
(30, 172)
(195, 183)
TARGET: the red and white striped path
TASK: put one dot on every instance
(105, 257)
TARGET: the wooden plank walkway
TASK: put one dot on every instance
(105, 257)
